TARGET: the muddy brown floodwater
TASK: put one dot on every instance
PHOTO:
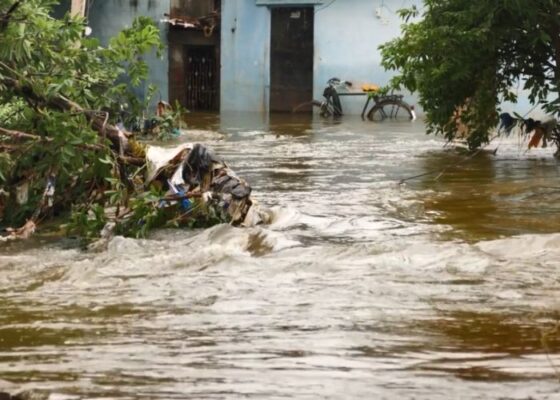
(442, 288)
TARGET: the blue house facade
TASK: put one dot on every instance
(259, 55)
(108, 17)
(346, 36)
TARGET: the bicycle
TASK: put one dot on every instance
(385, 106)
(331, 105)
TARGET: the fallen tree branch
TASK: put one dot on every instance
(8, 148)
(97, 119)
(22, 233)
(22, 135)
(139, 162)
(31, 136)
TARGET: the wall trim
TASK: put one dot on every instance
(289, 2)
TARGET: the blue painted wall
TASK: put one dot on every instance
(245, 74)
(109, 17)
(347, 34)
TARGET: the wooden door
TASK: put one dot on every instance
(291, 58)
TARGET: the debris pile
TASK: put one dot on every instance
(182, 186)
(207, 23)
(540, 132)
(193, 178)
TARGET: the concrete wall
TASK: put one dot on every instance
(109, 17)
(347, 36)
(245, 74)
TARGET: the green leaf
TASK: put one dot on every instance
(106, 160)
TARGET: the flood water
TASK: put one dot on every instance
(444, 287)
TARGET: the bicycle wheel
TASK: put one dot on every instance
(390, 109)
(326, 109)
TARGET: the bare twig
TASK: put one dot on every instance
(30, 136)
(23, 135)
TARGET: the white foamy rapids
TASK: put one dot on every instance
(205, 248)
(199, 135)
(540, 249)
(358, 288)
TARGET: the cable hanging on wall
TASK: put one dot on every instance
(379, 10)
(324, 7)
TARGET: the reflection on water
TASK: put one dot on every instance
(360, 288)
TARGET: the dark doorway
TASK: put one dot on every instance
(194, 54)
(201, 74)
(291, 58)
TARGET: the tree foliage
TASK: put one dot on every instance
(60, 97)
(470, 55)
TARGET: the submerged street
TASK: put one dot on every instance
(444, 287)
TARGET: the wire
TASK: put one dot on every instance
(443, 170)
(531, 110)
(325, 7)
(88, 10)
(383, 5)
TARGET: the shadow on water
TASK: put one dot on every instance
(488, 332)
(485, 346)
(486, 197)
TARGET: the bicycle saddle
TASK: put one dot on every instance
(333, 81)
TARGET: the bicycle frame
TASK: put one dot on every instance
(332, 106)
